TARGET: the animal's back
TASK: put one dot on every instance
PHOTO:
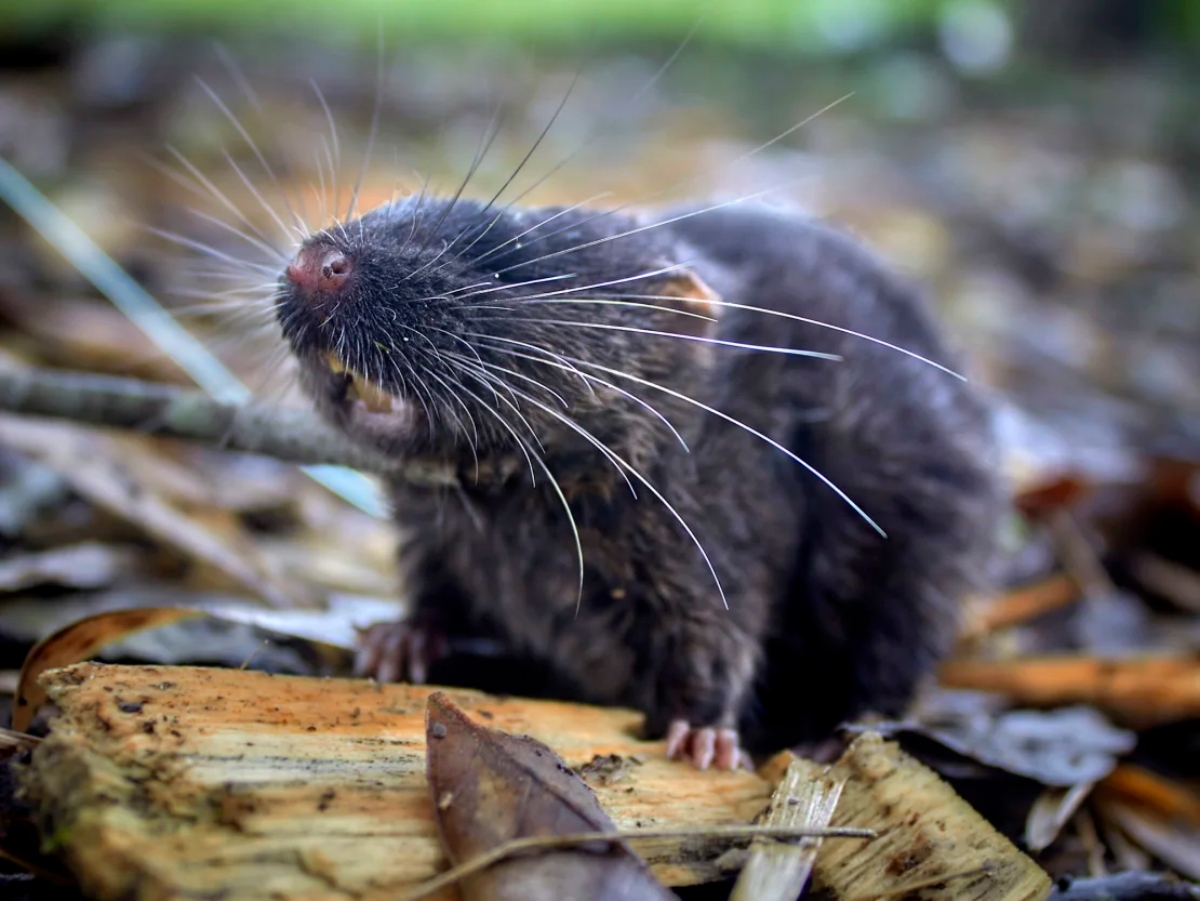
(861, 617)
(769, 427)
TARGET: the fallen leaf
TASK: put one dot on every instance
(1050, 812)
(1132, 886)
(77, 642)
(87, 565)
(96, 468)
(490, 788)
(1060, 748)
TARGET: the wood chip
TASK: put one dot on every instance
(931, 843)
(778, 872)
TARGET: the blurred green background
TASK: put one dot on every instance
(782, 24)
(1035, 164)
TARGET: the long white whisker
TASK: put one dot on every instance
(473, 438)
(650, 273)
(546, 221)
(591, 135)
(300, 227)
(518, 393)
(699, 339)
(566, 367)
(375, 114)
(736, 422)
(650, 226)
(562, 498)
(625, 465)
(216, 192)
(493, 287)
(512, 372)
(262, 160)
(515, 302)
(731, 305)
(670, 188)
(267, 249)
(208, 250)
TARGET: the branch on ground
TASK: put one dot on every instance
(294, 435)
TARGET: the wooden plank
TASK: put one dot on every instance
(931, 844)
(180, 782)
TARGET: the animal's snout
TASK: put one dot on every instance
(319, 270)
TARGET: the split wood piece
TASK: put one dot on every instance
(778, 872)
(931, 843)
(173, 782)
(1140, 691)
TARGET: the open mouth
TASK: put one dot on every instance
(358, 388)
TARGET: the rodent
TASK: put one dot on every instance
(620, 365)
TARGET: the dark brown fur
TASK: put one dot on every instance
(826, 619)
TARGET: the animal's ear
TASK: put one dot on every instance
(698, 305)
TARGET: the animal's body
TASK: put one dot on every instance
(611, 366)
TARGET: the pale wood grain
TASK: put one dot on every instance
(928, 836)
(180, 782)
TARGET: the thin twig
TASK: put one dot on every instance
(294, 435)
(535, 843)
(11, 742)
(152, 318)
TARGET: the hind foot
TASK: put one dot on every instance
(706, 746)
(399, 651)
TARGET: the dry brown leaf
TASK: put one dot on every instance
(1140, 690)
(490, 788)
(77, 642)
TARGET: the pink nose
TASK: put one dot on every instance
(319, 269)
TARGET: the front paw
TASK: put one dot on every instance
(706, 746)
(399, 651)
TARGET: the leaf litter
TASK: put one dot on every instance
(1083, 658)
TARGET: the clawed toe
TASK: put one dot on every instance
(397, 652)
(705, 746)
